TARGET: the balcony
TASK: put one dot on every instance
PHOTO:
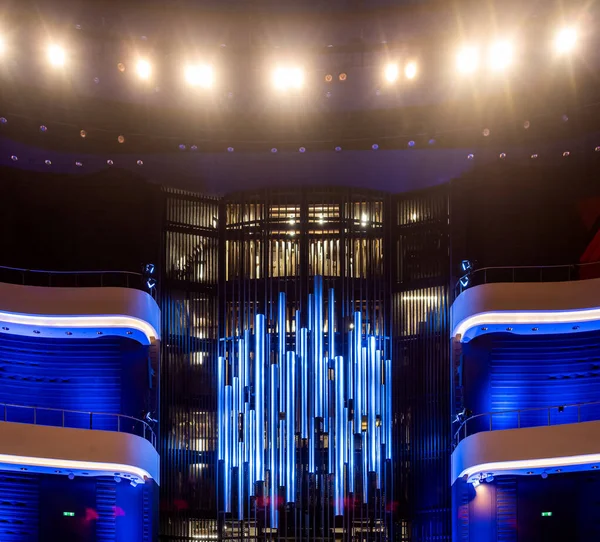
(527, 301)
(47, 440)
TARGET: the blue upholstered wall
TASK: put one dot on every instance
(98, 375)
(506, 371)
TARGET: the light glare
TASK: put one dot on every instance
(56, 56)
(565, 40)
(391, 72)
(467, 60)
(288, 78)
(143, 69)
(501, 55)
(200, 76)
(410, 70)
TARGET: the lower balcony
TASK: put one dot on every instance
(541, 441)
(74, 443)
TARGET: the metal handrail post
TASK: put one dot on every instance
(118, 423)
(490, 422)
(34, 415)
(91, 423)
(518, 419)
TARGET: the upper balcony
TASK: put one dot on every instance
(528, 300)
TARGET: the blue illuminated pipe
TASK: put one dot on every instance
(290, 413)
(350, 364)
(372, 402)
(388, 408)
(248, 435)
(378, 456)
(318, 345)
(340, 440)
(331, 323)
(357, 369)
(365, 466)
(364, 382)
(282, 460)
(326, 387)
(259, 384)
(281, 348)
(252, 446)
(311, 446)
(304, 382)
(228, 449)
(234, 418)
(331, 449)
(272, 445)
(247, 375)
(241, 372)
(221, 402)
(351, 471)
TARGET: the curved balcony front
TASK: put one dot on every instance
(527, 308)
(78, 313)
(564, 438)
(76, 443)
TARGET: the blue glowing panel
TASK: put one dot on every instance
(275, 402)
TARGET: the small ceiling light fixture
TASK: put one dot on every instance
(181, 147)
(470, 156)
(110, 162)
(56, 56)
(565, 40)
(526, 125)
(140, 163)
(83, 134)
(391, 72)
(302, 149)
(343, 76)
(48, 162)
(566, 153)
(287, 78)
(121, 139)
(534, 156)
(544, 475)
(71, 476)
(143, 69)
(410, 70)
(273, 150)
(194, 148)
(328, 78)
(411, 143)
(14, 158)
(467, 60)
(43, 128)
(230, 149)
(374, 146)
(486, 132)
(200, 75)
(502, 155)
(3, 120)
(78, 164)
(121, 67)
(501, 55)
(338, 149)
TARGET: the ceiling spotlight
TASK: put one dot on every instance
(410, 70)
(501, 55)
(565, 40)
(121, 139)
(411, 143)
(143, 69)
(391, 73)
(71, 476)
(566, 153)
(121, 67)
(273, 150)
(374, 146)
(14, 158)
(502, 155)
(338, 149)
(230, 149)
(302, 149)
(467, 60)
(544, 475)
(343, 76)
(140, 163)
(470, 156)
(288, 78)
(109, 162)
(56, 56)
(200, 76)
(328, 78)
(83, 133)
(48, 162)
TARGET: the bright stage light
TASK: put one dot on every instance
(467, 60)
(200, 75)
(410, 70)
(501, 55)
(143, 69)
(565, 40)
(288, 78)
(56, 56)
(391, 73)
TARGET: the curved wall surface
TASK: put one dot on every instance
(78, 312)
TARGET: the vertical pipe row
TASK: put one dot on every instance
(259, 407)
(273, 429)
(290, 418)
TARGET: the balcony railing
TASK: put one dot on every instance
(72, 279)
(527, 417)
(547, 273)
(76, 419)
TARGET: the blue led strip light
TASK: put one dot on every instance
(345, 392)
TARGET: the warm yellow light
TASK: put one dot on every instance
(410, 70)
(565, 40)
(467, 60)
(391, 72)
(2, 46)
(143, 69)
(56, 56)
(501, 55)
(200, 75)
(288, 78)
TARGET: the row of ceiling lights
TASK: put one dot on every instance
(470, 156)
(500, 56)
